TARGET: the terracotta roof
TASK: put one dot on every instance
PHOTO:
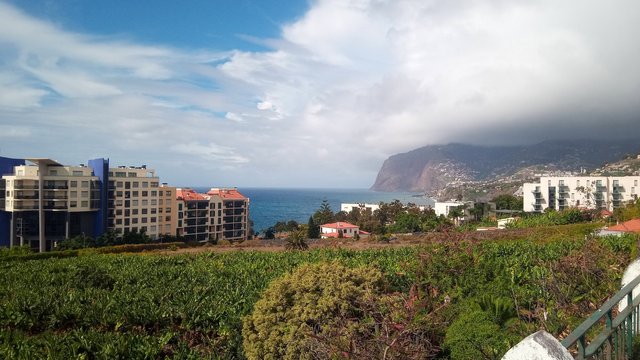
(189, 194)
(339, 225)
(627, 226)
(227, 194)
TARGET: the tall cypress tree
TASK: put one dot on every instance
(313, 230)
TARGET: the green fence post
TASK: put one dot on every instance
(630, 325)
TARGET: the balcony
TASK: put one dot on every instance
(618, 189)
(563, 189)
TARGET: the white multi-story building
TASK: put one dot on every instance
(349, 207)
(47, 198)
(588, 192)
(133, 200)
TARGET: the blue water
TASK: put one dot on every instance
(270, 205)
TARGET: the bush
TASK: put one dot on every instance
(297, 241)
(303, 306)
(474, 336)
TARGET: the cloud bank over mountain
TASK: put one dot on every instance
(344, 86)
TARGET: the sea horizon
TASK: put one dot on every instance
(268, 205)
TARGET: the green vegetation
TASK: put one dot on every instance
(459, 296)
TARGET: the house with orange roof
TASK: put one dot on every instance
(627, 227)
(341, 229)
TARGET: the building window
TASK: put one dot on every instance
(119, 193)
(127, 212)
(154, 202)
(153, 229)
(144, 211)
(167, 210)
(144, 220)
(74, 194)
(85, 184)
(119, 184)
(127, 185)
(154, 193)
(145, 193)
(84, 194)
(73, 204)
(152, 219)
(145, 202)
(53, 172)
(77, 172)
(135, 202)
(119, 203)
(85, 204)
(127, 222)
(135, 193)
(73, 183)
(119, 212)
(118, 221)
(135, 184)
(168, 193)
(132, 174)
(153, 210)
(577, 183)
(120, 174)
(134, 220)
(145, 184)
(635, 182)
(154, 184)
(134, 211)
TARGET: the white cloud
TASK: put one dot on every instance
(350, 81)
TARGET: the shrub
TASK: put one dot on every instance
(474, 336)
(297, 241)
(303, 306)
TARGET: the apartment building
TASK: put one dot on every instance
(45, 201)
(234, 209)
(588, 192)
(133, 200)
(218, 214)
(167, 210)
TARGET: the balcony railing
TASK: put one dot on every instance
(615, 338)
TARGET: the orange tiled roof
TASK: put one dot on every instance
(189, 194)
(339, 225)
(227, 194)
(627, 226)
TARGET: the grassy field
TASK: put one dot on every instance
(191, 305)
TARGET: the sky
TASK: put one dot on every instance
(318, 93)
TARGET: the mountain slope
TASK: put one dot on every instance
(433, 167)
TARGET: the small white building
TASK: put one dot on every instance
(444, 208)
(362, 206)
(340, 229)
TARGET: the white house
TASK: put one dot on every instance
(340, 229)
(444, 208)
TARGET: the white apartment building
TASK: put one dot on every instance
(349, 207)
(588, 192)
(45, 197)
(133, 204)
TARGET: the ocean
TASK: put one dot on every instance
(270, 205)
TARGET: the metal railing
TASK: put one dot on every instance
(615, 339)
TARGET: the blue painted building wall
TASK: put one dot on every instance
(6, 168)
(100, 169)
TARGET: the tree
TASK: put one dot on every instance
(270, 233)
(324, 215)
(313, 230)
(508, 202)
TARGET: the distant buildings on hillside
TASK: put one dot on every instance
(588, 192)
(43, 201)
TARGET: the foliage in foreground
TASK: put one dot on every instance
(191, 306)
